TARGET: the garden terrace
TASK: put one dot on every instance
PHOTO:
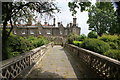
(58, 62)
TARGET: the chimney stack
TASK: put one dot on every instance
(74, 21)
(70, 24)
(54, 22)
(45, 23)
(58, 24)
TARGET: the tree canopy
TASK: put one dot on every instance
(80, 5)
(102, 18)
(14, 12)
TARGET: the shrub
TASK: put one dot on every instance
(82, 37)
(113, 45)
(113, 54)
(72, 37)
(92, 34)
(37, 41)
(109, 38)
(77, 43)
(95, 45)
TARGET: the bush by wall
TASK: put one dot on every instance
(95, 45)
(72, 37)
(109, 38)
(82, 37)
(17, 45)
(113, 53)
(77, 43)
(92, 34)
(113, 45)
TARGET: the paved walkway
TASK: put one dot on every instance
(58, 63)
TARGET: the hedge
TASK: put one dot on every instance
(77, 43)
(113, 53)
(95, 45)
(17, 45)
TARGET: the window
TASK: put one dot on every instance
(23, 32)
(14, 32)
(31, 32)
(48, 31)
(60, 32)
(39, 32)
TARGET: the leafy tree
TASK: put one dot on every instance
(72, 37)
(13, 12)
(102, 18)
(82, 5)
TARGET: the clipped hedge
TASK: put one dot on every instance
(77, 43)
(92, 34)
(109, 38)
(82, 37)
(113, 53)
(95, 45)
(113, 45)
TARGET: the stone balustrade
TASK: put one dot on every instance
(105, 67)
(11, 68)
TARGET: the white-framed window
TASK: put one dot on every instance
(61, 32)
(39, 32)
(31, 32)
(14, 32)
(48, 32)
(23, 32)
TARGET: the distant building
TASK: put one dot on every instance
(54, 33)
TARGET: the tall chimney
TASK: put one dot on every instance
(70, 24)
(45, 23)
(53, 21)
(58, 24)
(74, 21)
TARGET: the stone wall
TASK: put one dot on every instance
(105, 67)
(12, 67)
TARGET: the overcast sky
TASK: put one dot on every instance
(66, 16)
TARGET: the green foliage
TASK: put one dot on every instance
(113, 45)
(72, 37)
(17, 45)
(37, 41)
(95, 45)
(109, 38)
(82, 37)
(82, 5)
(102, 18)
(113, 54)
(77, 43)
(92, 34)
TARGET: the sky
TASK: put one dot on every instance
(66, 16)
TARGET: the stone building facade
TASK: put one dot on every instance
(53, 33)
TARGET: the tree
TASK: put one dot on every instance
(83, 6)
(13, 11)
(102, 18)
